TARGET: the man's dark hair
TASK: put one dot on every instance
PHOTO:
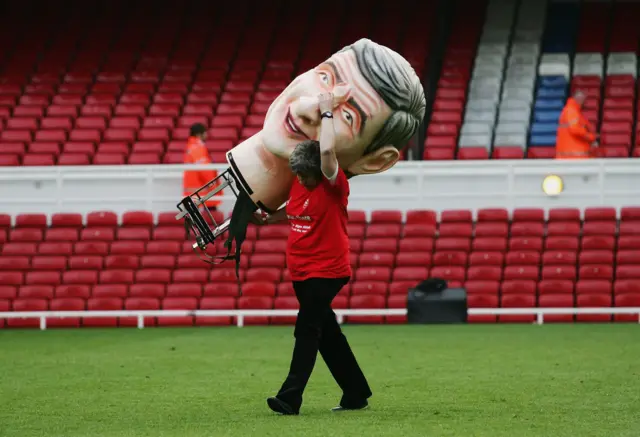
(393, 78)
(197, 129)
(305, 159)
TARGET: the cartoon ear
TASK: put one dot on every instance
(380, 160)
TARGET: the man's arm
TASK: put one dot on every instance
(577, 129)
(200, 155)
(277, 217)
(328, 160)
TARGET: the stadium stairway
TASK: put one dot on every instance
(566, 258)
(554, 72)
(524, 73)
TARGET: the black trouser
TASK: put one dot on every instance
(318, 330)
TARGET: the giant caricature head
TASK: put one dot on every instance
(379, 105)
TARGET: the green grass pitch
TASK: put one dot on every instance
(458, 381)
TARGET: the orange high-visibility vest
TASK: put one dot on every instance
(575, 133)
(197, 153)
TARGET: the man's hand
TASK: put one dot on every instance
(325, 102)
(258, 219)
(327, 138)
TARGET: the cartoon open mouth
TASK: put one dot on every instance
(292, 127)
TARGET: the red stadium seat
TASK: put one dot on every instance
(562, 300)
(386, 217)
(450, 258)
(139, 303)
(216, 303)
(522, 272)
(522, 258)
(421, 217)
(66, 304)
(526, 243)
(381, 230)
(382, 274)
(73, 291)
(413, 259)
(481, 300)
(484, 273)
(396, 301)
(594, 300)
(147, 290)
(27, 305)
(366, 301)
(103, 304)
(178, 303)
(369, 287)
(627, 300)
(491, 229)
(259, 302)
(419, 230)
(517, 300)
(489, 244)
(36, 292)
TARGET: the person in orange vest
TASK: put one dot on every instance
(197, 153)
(576, 134)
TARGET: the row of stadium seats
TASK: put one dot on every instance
(158, 283)
(519, 300)
(88, 99)
(125, 89)
(109, 219)
(502, 259)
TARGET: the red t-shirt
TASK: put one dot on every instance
(318, 244)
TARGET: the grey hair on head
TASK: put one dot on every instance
(397, 83)
(305, 159)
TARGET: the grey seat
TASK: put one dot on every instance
(488, 117)
(519, 82)
(481, 104)
(487, 70)
(622, 67)
(510, 128)
(521, 116)
(486, 94)
(525, 94)
(511, 140)
(521, 70)
(492, 48)
(476, 129)
(486, 82)
(475, 140)
(488, 60)
(508, 105)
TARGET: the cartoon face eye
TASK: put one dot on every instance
(348, 117)
(324, 77)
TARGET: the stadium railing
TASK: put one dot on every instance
(408, 185)
(240, 315)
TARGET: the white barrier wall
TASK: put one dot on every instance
(409, 185)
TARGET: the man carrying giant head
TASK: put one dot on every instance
(379, 103)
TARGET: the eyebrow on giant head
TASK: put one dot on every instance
(335, 72)
(351, 101)
(361, 113)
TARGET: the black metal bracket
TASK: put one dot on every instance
(193, 210)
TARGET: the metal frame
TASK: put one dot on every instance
(191, 210)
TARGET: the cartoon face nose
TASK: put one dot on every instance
(307, 110)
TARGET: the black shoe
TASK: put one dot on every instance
(352, 407)
(281, 407)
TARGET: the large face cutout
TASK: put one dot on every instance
(358, 116)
